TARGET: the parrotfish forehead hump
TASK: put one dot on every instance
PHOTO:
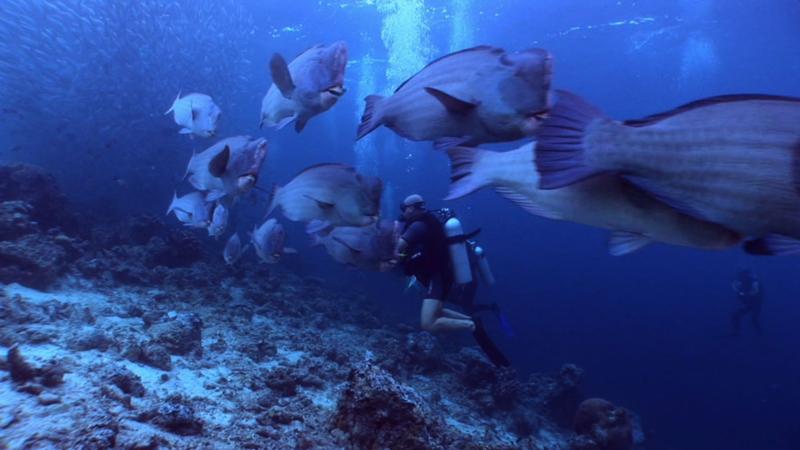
(325, 67)
(528, 91)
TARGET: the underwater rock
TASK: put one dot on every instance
(33, 185)
(149, 353)
(610, 427)
(21, 371)
(378, 412)
(181, 335)
(15, 220)
(127, 381)
(92, 339)
(559, 395)
(33, 260)
(51, 374)
(176, 417)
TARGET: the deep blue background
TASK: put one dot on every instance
(648, 328)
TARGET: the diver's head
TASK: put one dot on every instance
(412, 205)
(746, 275)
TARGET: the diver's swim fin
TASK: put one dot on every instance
(487, 345)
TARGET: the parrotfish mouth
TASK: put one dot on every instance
(338, 91)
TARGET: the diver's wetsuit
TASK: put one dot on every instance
(751, 296)
(430, 264)
(429, 261)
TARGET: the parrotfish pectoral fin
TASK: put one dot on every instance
(448, 142)
(624, 242)
(560, 148)
(185, 131)
(218, 164)
(281, 75)
(301, 122)
(285, 121)
(371, 118)
(773, 245)
(215, 195)
(318, 226)
(451, 103)
(320, 203)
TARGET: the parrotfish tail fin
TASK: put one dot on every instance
(773, 245)
(371, 119)
(624, 242)
(318, 226)
(172, 203)
(560, 148)
(172, 107)
(281, 75)
(466, 174)
(448, 142)
(272, 200)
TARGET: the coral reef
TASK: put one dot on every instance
(144, 341)
(602, 426)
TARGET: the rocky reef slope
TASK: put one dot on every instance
(128, 336)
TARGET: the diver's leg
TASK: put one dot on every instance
(736, 319)
(449, 313)
(431, 319)
(755, 316)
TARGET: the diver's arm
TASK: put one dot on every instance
(400, 249)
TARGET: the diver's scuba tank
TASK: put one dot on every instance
(458, 251)
(483, 266)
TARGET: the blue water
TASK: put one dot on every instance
(83, 87)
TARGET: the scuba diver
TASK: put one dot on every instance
(435, 251)
(750, 294)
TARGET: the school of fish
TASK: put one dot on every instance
(715, 173)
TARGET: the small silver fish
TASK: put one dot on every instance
(196, 113)
(269, 241)
(477, 95)
(335, 193)
(310, 85)
(219, 220)
(732, 160)
(233, 249)
(608, 201)
(191, 209)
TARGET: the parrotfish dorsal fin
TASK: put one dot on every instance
(281, 75)
(708, 102)
(217, 165)
(453, 104)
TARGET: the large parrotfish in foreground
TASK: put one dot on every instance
(473, 96)
(309, 85)
(330, 192)
(608, 201)
(228, 168)
(733, 160)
